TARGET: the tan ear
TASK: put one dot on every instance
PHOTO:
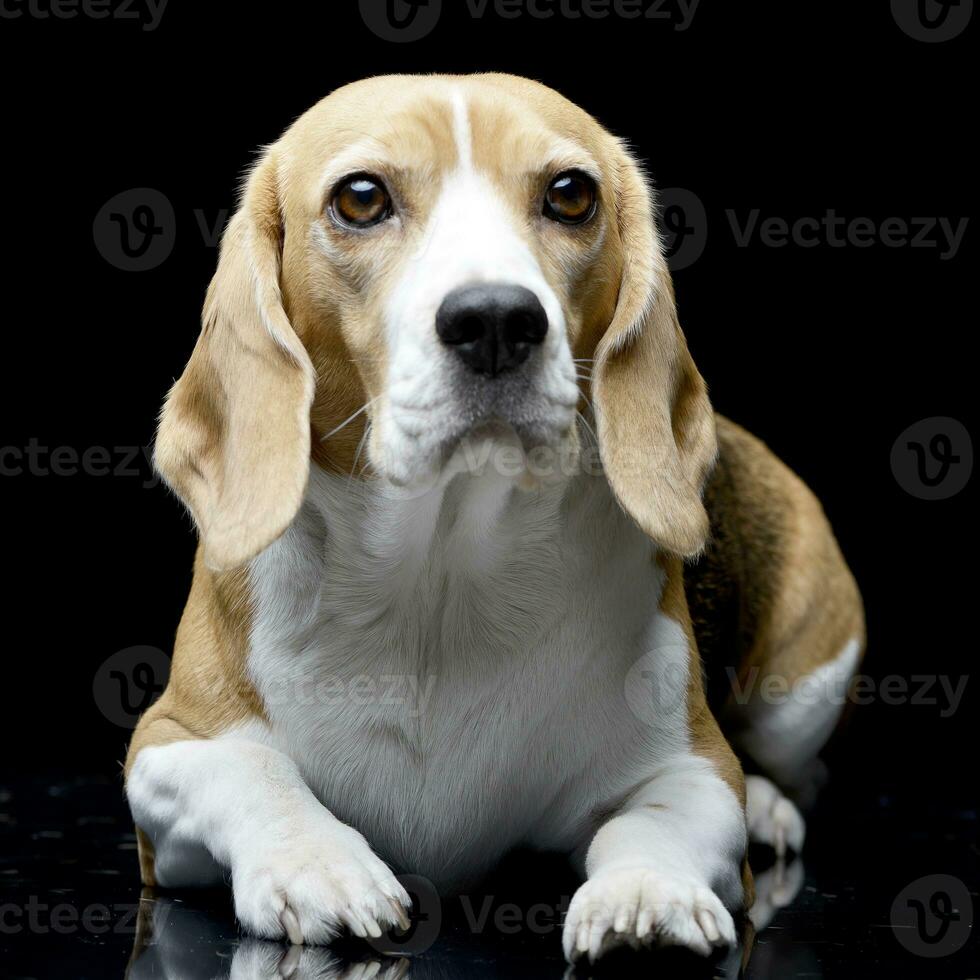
(655, 424)
(234, 436)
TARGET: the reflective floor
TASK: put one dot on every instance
(886, 887)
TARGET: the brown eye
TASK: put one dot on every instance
(361, 201)
(571, 198)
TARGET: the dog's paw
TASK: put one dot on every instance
(309, 887)
(772, 819)
(641, 906)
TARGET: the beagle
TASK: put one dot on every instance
(473, 543)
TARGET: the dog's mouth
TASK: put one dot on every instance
(538, 409)
(503, 451)
(519, 424)
(529, 451)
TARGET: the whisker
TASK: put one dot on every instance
(362, 409)
(357, 455)
(588, 428)
(586, 398)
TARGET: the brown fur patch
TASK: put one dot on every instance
(145, 851)
(706, 737)
(772, 593)
(747, 939)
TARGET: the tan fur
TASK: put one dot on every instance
(291, 347)
(655, 424)
(208, 691)
(773, 561)
(817, 608)
(144, 847)
(234, 439)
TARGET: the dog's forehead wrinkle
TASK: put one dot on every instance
(411, 141)
(464, 112)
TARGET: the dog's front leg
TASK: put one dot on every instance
(297, 872)
(665, 868)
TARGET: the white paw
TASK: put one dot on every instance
(641, 906)
(772, 819)
(310, 886)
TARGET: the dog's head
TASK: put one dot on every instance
(436, 257)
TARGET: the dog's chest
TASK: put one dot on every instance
(448, 671)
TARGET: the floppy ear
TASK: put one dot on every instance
(655, 425)
(234, 436)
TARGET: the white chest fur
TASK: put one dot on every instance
(452, 670)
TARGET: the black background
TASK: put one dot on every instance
(827, 353)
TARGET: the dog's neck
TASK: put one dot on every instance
(465, 517)
(478, 498)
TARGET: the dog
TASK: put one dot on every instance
(474, 545)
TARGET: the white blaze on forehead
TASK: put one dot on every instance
(462, 132)
(471, 236)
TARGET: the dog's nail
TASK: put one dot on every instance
(404, 922)
(708, 926)
(287, 917)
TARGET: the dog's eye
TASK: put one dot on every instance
(571, 198)
(360, 201)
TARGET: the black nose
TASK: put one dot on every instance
(492, 326)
